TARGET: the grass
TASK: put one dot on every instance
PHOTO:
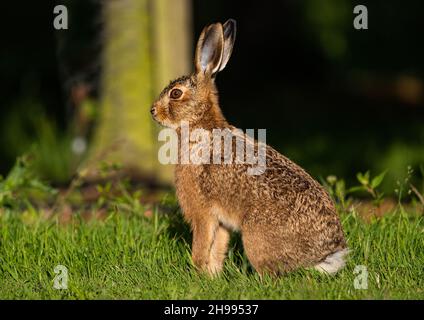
(131, 256)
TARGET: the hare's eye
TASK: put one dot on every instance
(176, 94)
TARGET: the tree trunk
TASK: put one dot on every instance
(146, 44)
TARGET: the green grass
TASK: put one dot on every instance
(129, 256)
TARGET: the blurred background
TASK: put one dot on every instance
(334, 99)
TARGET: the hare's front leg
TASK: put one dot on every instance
(219, 249)
(209, 247)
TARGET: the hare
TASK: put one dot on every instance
(286, 218)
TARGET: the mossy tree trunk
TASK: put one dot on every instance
(146, 44)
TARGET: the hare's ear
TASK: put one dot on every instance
(230, 28)
(209, 50)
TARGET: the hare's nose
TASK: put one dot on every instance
(153, 110)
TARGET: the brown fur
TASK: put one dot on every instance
(287, 220)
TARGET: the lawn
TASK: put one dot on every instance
(131, 255)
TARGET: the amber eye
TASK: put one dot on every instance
(176, 94)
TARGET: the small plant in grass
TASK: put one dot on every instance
(117, 195)
(405, 188)
(106, 170)
(337, 190)
(340, 193)
(370, 186)
(417, 195)
(21, 184)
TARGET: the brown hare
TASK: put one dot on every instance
(286, 219)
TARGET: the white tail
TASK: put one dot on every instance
(333, 262)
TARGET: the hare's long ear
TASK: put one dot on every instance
(230, 29)
(209, 50)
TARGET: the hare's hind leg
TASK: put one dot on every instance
(268, 250)
(262, 253)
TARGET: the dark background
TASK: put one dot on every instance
(334, 99)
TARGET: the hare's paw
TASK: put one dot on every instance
(208, 266)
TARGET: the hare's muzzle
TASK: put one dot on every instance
(153, 110)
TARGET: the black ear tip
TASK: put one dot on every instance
(231, 22)
(230, 27)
